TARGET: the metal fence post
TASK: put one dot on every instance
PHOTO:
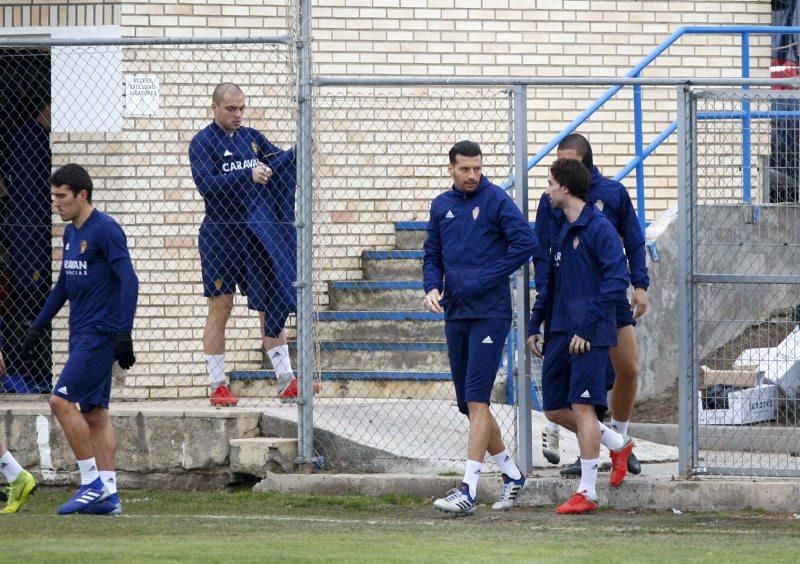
(686, 392)
(522, 298)
(305, 288)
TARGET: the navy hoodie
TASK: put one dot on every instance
(588, 275)
(611, 198)
(475, 241)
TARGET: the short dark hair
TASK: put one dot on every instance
(74, 176)
(465, 149)
(224, 88)
(572, 175)
(580, 145)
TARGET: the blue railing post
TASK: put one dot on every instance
(746, 130)
(637, 142)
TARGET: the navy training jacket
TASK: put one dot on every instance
(587, 258)
(611, 198)
(475, 241)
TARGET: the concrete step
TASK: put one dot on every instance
(392, 265)
(410, 234)
(371, 295)
(380, 326)
(377, 295)
(259, 456)
(370, 355)
(352, 384)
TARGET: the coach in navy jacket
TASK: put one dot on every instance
(476, 238)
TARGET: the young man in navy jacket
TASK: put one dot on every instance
(586, 278)
(611, 198)
(477, 238)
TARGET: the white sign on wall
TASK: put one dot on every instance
(141, 95)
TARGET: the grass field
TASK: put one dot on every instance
(242, 526)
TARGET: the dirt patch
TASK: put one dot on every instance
(664, 407)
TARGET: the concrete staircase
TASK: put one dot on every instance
(375, 340)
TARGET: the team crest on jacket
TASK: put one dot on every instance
(254, 146)
(84, 246)
(599, 204)
(476, 211)
(576, 242)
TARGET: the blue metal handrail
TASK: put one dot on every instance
(641, 153)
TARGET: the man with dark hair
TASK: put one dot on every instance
(98, 279)
(587, 276)
(477, 238)
(610, 198)
(247, 238)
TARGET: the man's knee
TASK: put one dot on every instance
(97, 417)
(59, 405)
(556, 416)
(477, 410)
(220, 307)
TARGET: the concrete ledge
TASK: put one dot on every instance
(635, 493)
(257, 456)
(784, 440)
(172, 445)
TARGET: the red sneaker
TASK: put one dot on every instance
(578, 503)
(223, 397)
(289, 391)
(619, 463)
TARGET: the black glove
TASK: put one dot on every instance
(32, 338)
(123, 352)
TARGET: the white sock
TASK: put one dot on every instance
(610, 438)
(620, 427)
(88, 470)
(216, 370)
(279, 356)
(472, 475)
(507, 465)
(552, 426)
(109, 480)
(9, 467)
(589, 477)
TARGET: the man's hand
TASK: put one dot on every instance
(536, 344)
(432, 301)
(261, 174)
(639, 302)
(32, 338)
(579, 345)
(123, 351)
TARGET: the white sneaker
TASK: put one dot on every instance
(510, 492)
(456, 501)
(550, 446)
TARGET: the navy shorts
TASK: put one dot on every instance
(475, 347)
(86, 377)
(231, 257)
(573, 378)
(624, 315)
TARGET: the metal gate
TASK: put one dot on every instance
(739, 235)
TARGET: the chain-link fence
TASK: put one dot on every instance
(382, 158)
(203, 214)
(742, 322)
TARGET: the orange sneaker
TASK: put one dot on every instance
(223, 397)
(619, 462)
(580, 502)
(289, 391)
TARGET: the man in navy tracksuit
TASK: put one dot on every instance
(477, 238)
(248, 237)
(586, 278)
(612, 199)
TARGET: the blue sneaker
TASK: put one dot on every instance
(510, 492)
(456, 501)
(109, 506)
(86, 495)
